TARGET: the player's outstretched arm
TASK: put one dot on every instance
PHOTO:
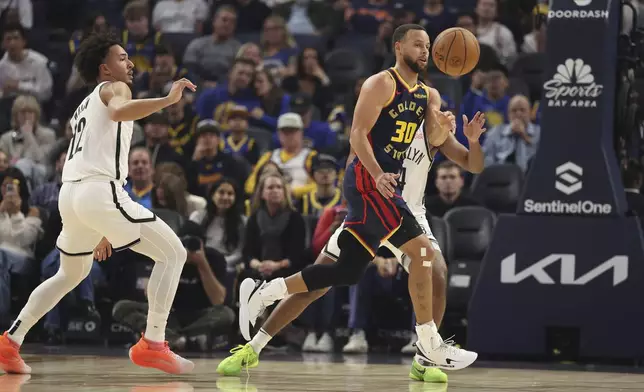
(374, 94)
(441, 127)
(117, 96)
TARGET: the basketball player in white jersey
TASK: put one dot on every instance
(418, 162)
(95, 209)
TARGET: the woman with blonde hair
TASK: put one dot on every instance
(28, 143)
(250, 51)
(279, 48)
(275, 232)
(170, 194)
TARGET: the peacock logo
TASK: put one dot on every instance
(573, 85)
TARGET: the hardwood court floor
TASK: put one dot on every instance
(71, 373)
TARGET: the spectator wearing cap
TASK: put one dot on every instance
(237, 142)
(157, 140)
(327, 193)
(515, 142)
(153, 83)
(293, 157)
(365, 16)
(211, 56)
(435, 17)
(488, 94)
(138, 41)
(492, 33)
(209, 164)
(183, 124)
(179, 16)
(216, 103)
(317, 134)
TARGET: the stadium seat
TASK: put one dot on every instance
(440, 230)
(498, 187)
(263, 138)
(248, 37)
(518, 87)
(471, 229)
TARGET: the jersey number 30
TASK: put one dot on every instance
(405, 132)
(75, 144)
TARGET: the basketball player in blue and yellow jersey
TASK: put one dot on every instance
(391, 107)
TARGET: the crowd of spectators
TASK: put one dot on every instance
(248, 169)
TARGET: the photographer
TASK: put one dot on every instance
(199, 313)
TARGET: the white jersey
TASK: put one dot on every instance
(416, 166)
(99, 148)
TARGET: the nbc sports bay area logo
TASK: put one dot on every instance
(568, 180)
(573, 85)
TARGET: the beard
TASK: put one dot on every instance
(412, 64)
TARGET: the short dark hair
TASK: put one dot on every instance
(632, 174)
(448, 165)
(243, 60)
(401, 32)
(12, 27)
(92, 53)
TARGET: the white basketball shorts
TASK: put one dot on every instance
(91, 210)
(332, 250)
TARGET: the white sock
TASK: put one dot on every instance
(275, 290)
(71, 272)
(155, 328)
(260, 340)
(425, 334)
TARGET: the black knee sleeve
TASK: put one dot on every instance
(353, 260)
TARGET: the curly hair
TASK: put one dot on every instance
(92, 53)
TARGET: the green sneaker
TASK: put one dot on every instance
(243, 357)
(420, 373)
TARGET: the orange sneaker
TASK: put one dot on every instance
(10, 360)
(145, 354)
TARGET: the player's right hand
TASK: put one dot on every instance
(177, 89)
(386, 183)
(103, 250)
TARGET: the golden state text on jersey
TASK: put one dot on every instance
(398, 122)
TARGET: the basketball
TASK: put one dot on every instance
(456, 51)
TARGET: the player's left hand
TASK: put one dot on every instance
(474, 129)
(445, 120)
(103, 250)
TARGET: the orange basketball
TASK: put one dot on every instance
(456, 51)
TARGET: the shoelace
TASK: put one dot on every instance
(449, 346)
(245, 360)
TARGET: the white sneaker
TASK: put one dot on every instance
(310, 343)
(443, 354)
(254, 298)
(410, 348)
(357, 343)
(325, 344)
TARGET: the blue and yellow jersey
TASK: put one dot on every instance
(396, 126)
(246, 148)
(141, 53)
(312, 205)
